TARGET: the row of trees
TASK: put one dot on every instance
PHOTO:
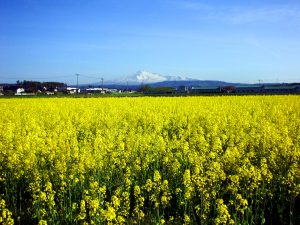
(31, 87)
(34, 86)
(162, 90)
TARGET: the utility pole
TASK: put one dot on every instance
(102, 83)
(77, 83)
(142, 84)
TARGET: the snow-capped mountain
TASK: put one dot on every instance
(157, 80)
(148, 78)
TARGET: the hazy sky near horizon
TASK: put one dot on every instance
(235, 41)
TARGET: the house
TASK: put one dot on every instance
(95, 90)
(49, 93)
(113, 91)
(282, 89)
(72, 90)
(228, 89)
(20, 91)
(208, 89)
(182, 90)
(249, 89)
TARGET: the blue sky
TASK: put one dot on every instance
(236, 41)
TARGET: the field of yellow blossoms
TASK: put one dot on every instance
(150, 160)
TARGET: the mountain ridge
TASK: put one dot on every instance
(141, 77)
(145, 77)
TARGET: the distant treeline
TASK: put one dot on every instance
(162, 90)
(34, 86)
(37, 84)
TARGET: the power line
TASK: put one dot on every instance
(77, 83)
(33, 77)
(87, 76)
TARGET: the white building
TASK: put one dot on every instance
(95, 90)
(20, 91)
(72, 90)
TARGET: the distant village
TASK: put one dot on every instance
(242, 89)
(50, 88)
(54, 88)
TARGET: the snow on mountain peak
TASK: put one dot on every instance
(148, 78)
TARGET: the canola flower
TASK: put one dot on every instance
(181, 160)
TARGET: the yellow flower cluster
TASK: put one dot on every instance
(150, 160)
(5, 214)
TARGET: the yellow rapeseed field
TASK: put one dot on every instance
(150, 160)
